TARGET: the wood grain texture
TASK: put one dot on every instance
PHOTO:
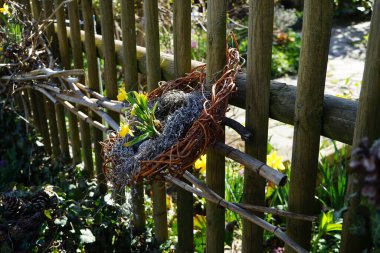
(65, 63)
(42, 117)
(367, 125)
(215, 173)
(37, 100)
(182, 65)
(77, 53)
(55, 113)
(93, 83)
(108, 29)
(339, 114)
(316, 32)
(153, 77)
(128, 27)
(260, 30)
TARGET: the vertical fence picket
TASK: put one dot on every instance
(55, 113)
(367, 125)
(215, 173)
(47, 105)
(65, 63)
(31, 95)
(128, 27)
(260, 30)
(153, 77)
(107, 27)
(316, 30)
(93, 83)
(40, 116)
(77, 52)
(182, 65)
(36, 9)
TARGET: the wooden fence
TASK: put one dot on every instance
(306, 107)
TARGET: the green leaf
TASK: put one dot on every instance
(138, 139)
(334, 227)
(154, 108)
(47, 214)
(86, 236)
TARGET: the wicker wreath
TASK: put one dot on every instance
(203, 132)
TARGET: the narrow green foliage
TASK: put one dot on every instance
(141, 116)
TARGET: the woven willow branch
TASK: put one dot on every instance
(203, 191)
(73, 92)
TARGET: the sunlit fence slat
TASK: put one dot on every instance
(93, 83)
(128, 27)
(260, 30)
(316, 31)
(154, 76)
(215, 174)
(182, 65)
(367, 125)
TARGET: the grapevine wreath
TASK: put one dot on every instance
(190, 121)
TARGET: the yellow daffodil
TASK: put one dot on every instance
(200, 164)
(275, 161)
(5, 10)
(122, 95)
(125, 130)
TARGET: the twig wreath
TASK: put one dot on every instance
(189, 118)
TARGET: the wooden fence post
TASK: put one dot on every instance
(128, 27)
(260, 34)
(316, 32)
(182, 65)
(77, 52)
(37, 99)
(94, 84)
(108, 29)
(154, 76)
(52, 114)
(215, 173)
(367, 125)
(65, 62)
(32, 103)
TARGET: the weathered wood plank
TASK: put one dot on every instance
(215, 173)
(56, 118)
(108, 29)
(65, 63)
(339, 113)
(128, 27)
(39, 113)
(182, 65)
(316, 31)
(154, 76)
(260, 30)
(367, 125)
(77, 52)
(93, 83)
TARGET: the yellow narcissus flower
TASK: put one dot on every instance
(125, 129)
(122, 95)
(5, 10)
(275, 161)
(200, 164)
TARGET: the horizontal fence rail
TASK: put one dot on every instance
(305, 106)
(339, 114)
